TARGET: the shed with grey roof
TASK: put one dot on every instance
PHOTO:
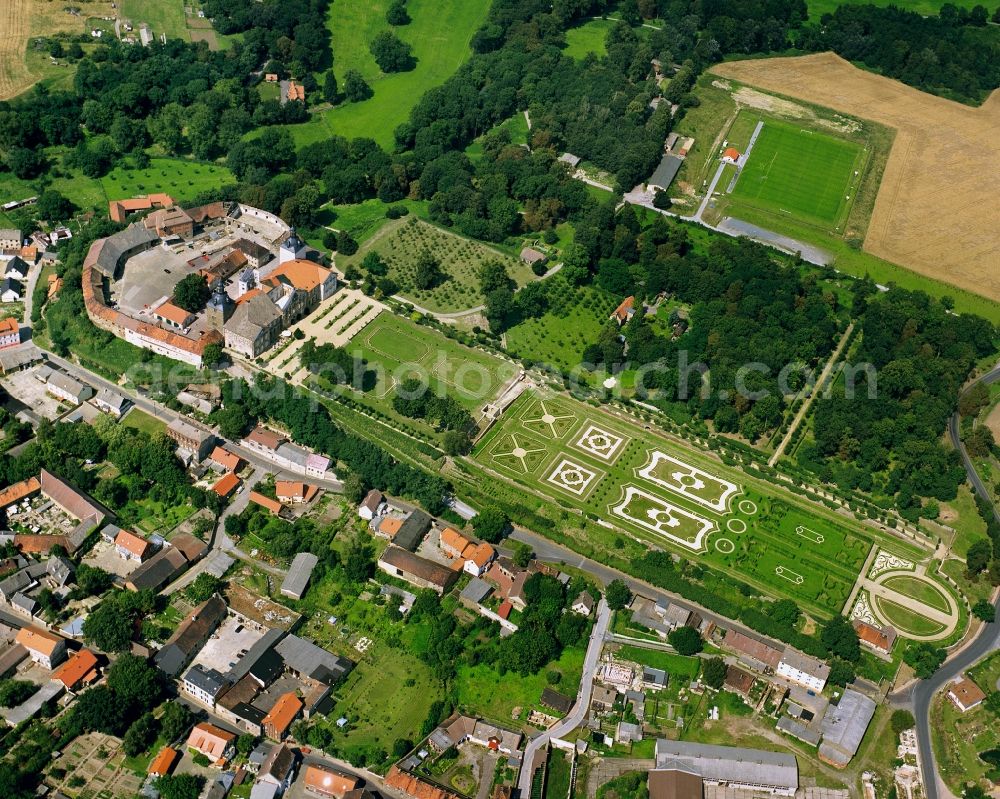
(665, 172)
(297, 580)
(844, 726)
(304, 657)
(733, 766)
(475, 592)
(412, 531)
(798, 730)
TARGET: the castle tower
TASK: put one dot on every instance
(291, 248)
(219, 307)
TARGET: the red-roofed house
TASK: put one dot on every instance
(326, 782)
(294, 492)
(215, 743)
(227, 485)
(132, 547)
(266, 502)
(10, 332)
(285, 710)
(731, 155)
(44, 648)
(78, 671)
(625, 311)
(226, 460)
(163, 762)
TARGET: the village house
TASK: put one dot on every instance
(64, 387)
(583, 604)
(624, 312)
(213, 742)
(10, 239)
(79, 671)
(111, 402)
(276, 508)
(276, 772)
(803, 670)
(325, 782)
(879, 639)
(158, 571)
(279, 719)
(965, 694)
(44, 648)
(191, 635)
(190, 438)
(372, 505)
(10, 332)
(130, 546)
(416, 570)
(203, 684)
(294, 493)
(164, 762)
(227, 484)
(475, 556)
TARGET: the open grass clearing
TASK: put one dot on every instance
(677, 666)
(379, 717)
(402, 242)
(439, 33)
(141, 420)
(162, 16)
(818, 8)
(179, 178)
(480, 690)
(363, 220)
(397, 348)
(958, 738)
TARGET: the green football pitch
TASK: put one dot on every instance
(800, 173)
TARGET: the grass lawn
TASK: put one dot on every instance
(439, 33)
(363, 220)
(664, 494)
(925, 7)
(86, 193)
(674, 665)
(480, 690)
(588, 38)
(967, 523)
(398, 348)
(575, 318)
(403, 241)
(377, 716)
(558, 777)
(919, 590)
(141, 420)
(905, 620)
(792, 170)
(516, 126)
(179, 178)
(163, 16)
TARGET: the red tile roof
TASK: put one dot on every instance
(229, 461)
(163, 762)
(19, 491)
(296, 490)
(328, 782)
(133, 543)
(227, 485)
(282, 714)
(37, 640)
(80, 668)
(266, 502)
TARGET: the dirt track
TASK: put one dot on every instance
(936, 211)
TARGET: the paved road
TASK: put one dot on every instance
(923, 691)
(953, 430)
(29, 292)
(578, 713)
(737, 228)
(708, 195)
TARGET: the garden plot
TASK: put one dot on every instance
(401, 245)
(663, 518)
(694, 483)
(671, 496)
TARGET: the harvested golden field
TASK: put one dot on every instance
(936, 211)
(22, 19)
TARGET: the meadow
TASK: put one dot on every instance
(783, 545)
(403, 241)
(162, 16)
(799, 172)
(397, 348)
(363, 220)
(179, 178)
(818, 8)
(439, 33)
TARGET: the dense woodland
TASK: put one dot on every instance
(953, 53)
